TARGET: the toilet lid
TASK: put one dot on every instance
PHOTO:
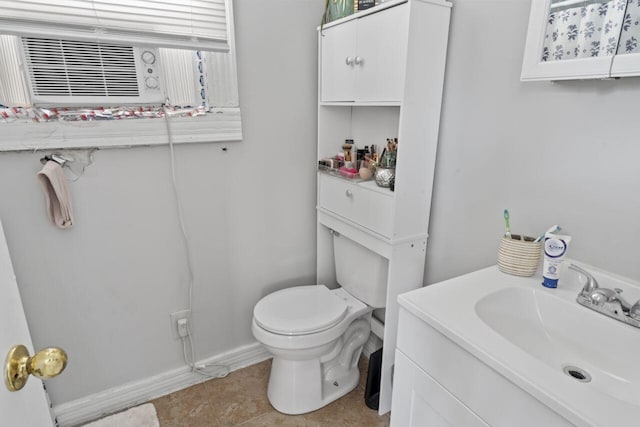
(300, 310)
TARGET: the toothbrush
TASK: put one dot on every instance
(506, 222)
(552, 229)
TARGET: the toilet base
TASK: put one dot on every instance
(301, 386)
(303, 390)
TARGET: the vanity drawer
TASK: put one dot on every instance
(358, 202)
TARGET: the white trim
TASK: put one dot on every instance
(222, 125)
(118, 398)
(567, 3)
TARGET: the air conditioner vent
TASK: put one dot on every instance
(86, 72)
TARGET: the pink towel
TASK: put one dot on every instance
(57, 195)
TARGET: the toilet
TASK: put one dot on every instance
(316, 334)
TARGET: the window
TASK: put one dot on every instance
(200, 87)
(193, 24)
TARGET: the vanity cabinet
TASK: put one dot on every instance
(419, 400)
(438, 383)
(363, 58)
(572, 39)
(397, 93)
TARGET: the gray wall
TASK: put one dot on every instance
(104, 289)
(552, 153)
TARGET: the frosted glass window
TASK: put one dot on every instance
(583, 29)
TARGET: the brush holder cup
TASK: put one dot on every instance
(519, 255)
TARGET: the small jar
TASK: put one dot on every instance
(383, 176)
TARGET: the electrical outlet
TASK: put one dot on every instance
(180, 323)
(183, 327)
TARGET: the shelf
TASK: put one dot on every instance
(363, 13)
(325, 170)
(360, 104)
(371, 185)
(397, 95)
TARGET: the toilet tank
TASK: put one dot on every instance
(360, 271)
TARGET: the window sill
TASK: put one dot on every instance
(221, 125)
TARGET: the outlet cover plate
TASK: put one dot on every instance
(175, 316)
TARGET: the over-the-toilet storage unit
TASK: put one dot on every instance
(381, 75)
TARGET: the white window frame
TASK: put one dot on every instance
(220, 124)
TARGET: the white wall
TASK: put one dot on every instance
(104, 289)
(552, 153)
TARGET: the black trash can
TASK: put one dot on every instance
(372, 388)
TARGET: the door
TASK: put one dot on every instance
(338, 53)
(382, 55)
(29, 406)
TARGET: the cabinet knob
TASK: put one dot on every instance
(348, 193)
(348, 60)
(358, 61)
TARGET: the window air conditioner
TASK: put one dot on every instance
(85, 73)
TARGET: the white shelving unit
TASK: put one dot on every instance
(381, 76)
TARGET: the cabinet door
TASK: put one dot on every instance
(381, 55)
(418, 400)
(571, 40)
(338, 52)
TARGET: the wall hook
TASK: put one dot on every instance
(59, 159)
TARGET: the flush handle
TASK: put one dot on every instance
(45, 364)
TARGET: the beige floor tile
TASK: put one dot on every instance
(240, 399)
(186, 408)
(350, 410)
(241, 396)
(275, 418)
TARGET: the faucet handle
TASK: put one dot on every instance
(592, 283)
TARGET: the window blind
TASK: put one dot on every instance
(180, 24)
(13, 86)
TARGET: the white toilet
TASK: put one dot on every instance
(316, 335)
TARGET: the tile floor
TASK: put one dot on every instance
(240, 399)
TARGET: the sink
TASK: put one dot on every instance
(568, 338)
(526, 346)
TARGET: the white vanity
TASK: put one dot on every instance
(381, 75)
(490, 349)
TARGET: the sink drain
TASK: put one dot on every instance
(577, 373)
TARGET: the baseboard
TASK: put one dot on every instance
(131, 394)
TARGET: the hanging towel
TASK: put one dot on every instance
(57, 195)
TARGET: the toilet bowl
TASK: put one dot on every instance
(316, 335)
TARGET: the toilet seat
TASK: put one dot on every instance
(300, 310)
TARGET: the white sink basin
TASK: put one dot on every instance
(529, 334)
(568, 337)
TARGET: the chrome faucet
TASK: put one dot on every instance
(592, 283)
(609, 302)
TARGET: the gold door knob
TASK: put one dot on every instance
(45, 364)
